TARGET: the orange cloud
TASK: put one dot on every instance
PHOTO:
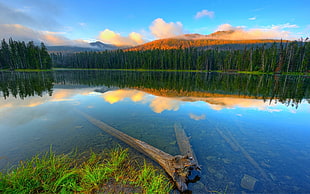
(12, 102)
(112, 37)
(159, 104)
(161, 29)
(136, 37)
(33, 101)
(67, 94)
(229, 103)
(119, 95)
(54, 40)
(20, 32)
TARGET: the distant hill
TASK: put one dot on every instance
(198, 40)
(102, 46)
(93, 46)
(219, 39)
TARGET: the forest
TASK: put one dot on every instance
(173, 43)
(278, 57)
(286, 89)
(19, 55)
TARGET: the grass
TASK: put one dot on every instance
(27, 70)
(33, 70)
(255, 72)
(110, 172)
(140, 70)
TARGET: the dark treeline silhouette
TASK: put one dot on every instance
(25, 84)
(19, 55)
(279, 57)
(289, 90)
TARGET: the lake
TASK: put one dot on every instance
(244, 129)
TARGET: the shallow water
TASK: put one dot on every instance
(239, 125)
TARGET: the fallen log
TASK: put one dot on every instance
(183, 142)
(177, 167)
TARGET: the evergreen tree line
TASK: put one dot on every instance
(279, 57)
(19, 55)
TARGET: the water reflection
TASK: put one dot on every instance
(230, 118)
(197, 117)
(119, 95)
(24, 84)
(159, 104)
(289, 90)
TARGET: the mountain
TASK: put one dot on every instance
(219, 35)
(93, 46)
(102, 46)
(220, 39)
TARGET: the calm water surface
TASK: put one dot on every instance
(241, 126)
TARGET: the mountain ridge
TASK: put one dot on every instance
(93, 46)
(172, 43)
(220, 39)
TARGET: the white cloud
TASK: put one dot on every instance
(269, 32)
(82, 24)
(13, 16)
(111, 37)
(197, 117)
(23, 33)
(283, 26)
(204, 13)
(232, 102)
(161, 29)
(34, 15)
(306, 31)
(228, 27)
(252, 18)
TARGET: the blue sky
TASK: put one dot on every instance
(59, 22)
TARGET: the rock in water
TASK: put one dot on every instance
(248, 182)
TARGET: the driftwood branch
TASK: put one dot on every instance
(178, 167)
(183, 142)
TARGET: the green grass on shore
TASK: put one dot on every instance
(159, 70)
(32, 70)
(109, 172)
(27, 70)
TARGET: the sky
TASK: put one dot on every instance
(133, 22)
